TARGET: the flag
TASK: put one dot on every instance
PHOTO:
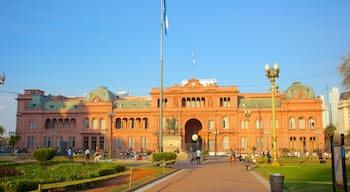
(165, 18)
(193, 60)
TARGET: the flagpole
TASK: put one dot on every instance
(161, 80)
(193, 63)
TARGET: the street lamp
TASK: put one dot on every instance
(272, 74)
(247, 114)
(2, 79)
(110, 115)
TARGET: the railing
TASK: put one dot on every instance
(50, 186)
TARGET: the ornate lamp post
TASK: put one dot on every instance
(247, 114)
(110, 115)
(272, 74)
(2, 79)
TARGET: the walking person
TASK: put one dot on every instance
(268, 157)
(70, 153)
(198, 156)
(87, 154)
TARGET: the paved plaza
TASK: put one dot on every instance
(214, 174)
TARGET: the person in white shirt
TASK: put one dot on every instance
(198, 156)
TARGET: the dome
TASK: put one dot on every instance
(298, 90)
(100, 94)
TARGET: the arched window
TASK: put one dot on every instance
(145, 123)
(183, 102)
(103, 124)
(86, 123)
(118, 123)
(65, 123)
(54, 123)
(311, 123)
(48, 124)
(292, 123)
(73, 123)
(301, 123)
(94, 123)
(132, 123)
(225, 122)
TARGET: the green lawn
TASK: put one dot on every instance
(302, 174)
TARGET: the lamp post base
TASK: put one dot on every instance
(275, 164)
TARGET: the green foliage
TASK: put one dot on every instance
(44, 154)
(34, 173)
(2, 130)
(166, 156)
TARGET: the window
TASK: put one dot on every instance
(211, 124)
(118, 123)
(31, 142)
(311, 123)
(225, 143)
(131, 142)
(65, 123)
(71, 141)
(32, 124)
(301, 123)
(259, 124)
(244, 142)
(103, 124)
(292, 123)
(94, 123)
(144, 142)
(86, 142)
(272, 124)
(86, 123)
(244, 124)
(73, 123)
(145, 123)
(132, 123)
(225, 122)
(259, 143)
(47, 141)
(118, 143)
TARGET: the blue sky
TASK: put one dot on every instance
(72, 47)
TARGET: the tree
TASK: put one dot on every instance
(344, 71)
(2, 130)
(172, 125)
(13, 142)
(330, 130)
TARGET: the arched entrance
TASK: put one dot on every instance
(192, 126)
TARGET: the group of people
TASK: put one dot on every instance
(234, 158)
(87, 153)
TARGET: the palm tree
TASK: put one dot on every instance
(2, 130)
(344, 71)
(13, 142)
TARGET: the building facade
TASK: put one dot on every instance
(344, 114)
(215, 113)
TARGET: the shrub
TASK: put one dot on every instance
(44, 154)
(8, 171)
(166, 156)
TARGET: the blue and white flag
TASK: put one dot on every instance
(165, 18)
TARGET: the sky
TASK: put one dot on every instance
(70, 48)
